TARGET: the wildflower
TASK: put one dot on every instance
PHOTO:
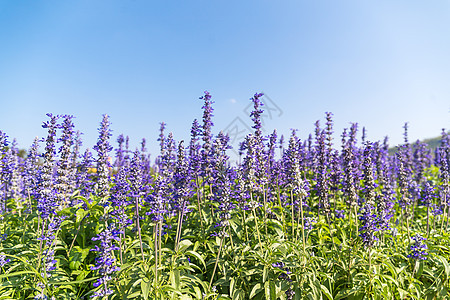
(418, 249)
(31, 172)
(64, 170)
(207, 135)
(41, 295)
(103, 148)
(278, 265)
(83, 179)
(427, 194)
(289, 294)
(286, 272)
(309, 222)
(119, 163)
(437, 210)
(46, 199)
(369, 226)
(4, 175)
(340, 214)
(194, 150)
(104, 262)
(48, 255)
(3, 259)
(49, 261)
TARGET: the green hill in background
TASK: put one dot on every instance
(432, 143)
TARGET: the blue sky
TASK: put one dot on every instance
(378, 63)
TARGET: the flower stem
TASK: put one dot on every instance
(138, 226)
(217, 258)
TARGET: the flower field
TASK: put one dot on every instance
(301, 219)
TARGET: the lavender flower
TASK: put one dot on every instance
(103, 148)
(49, 236)
(322, 177)
(279, 265)
(83, 181)
(207, 135)
(49, 261)
(369, 226)
(404, 176)
(329, 131)
(222, 194)
(349, 166)
(64, 171)
(339, 214)
(427, 194)
(183, 187)
(289, 294)
(162, 145)
(194, 150)
(437, 210)
(369, 180)
(418, 249)
(13, 175)
(4, 174)
(256, 114)
(119, 199)
(309, 221)
(445, 175)
(286, 271)
(421, 160)
(120, 152)
(105, 260)
(3, 259)
(46, 200)
(32, 170)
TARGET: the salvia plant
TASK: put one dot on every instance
(291, 219)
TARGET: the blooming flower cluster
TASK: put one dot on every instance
(3, 259)
(308, 181)
(105, 259)
(418, 248)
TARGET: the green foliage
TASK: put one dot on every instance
(332, 264)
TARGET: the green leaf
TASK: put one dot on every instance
(265, 273)
(17, 273)
(419, 266)
(145, 287)
(134, 295)
(86, 201)
(231, 287)
(176, 279)
(81, 213)
(269, 290)
(184, 244)
(77, 256)
(391, 268)
(73, 282)
(238, 294)
(446, 265)
(326, 292)
(297, 293)
(256, 290)
(198, 256)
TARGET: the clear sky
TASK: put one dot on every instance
(379, 63)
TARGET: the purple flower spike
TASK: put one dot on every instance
(418, 249)
(103, 148)
(105, 260)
